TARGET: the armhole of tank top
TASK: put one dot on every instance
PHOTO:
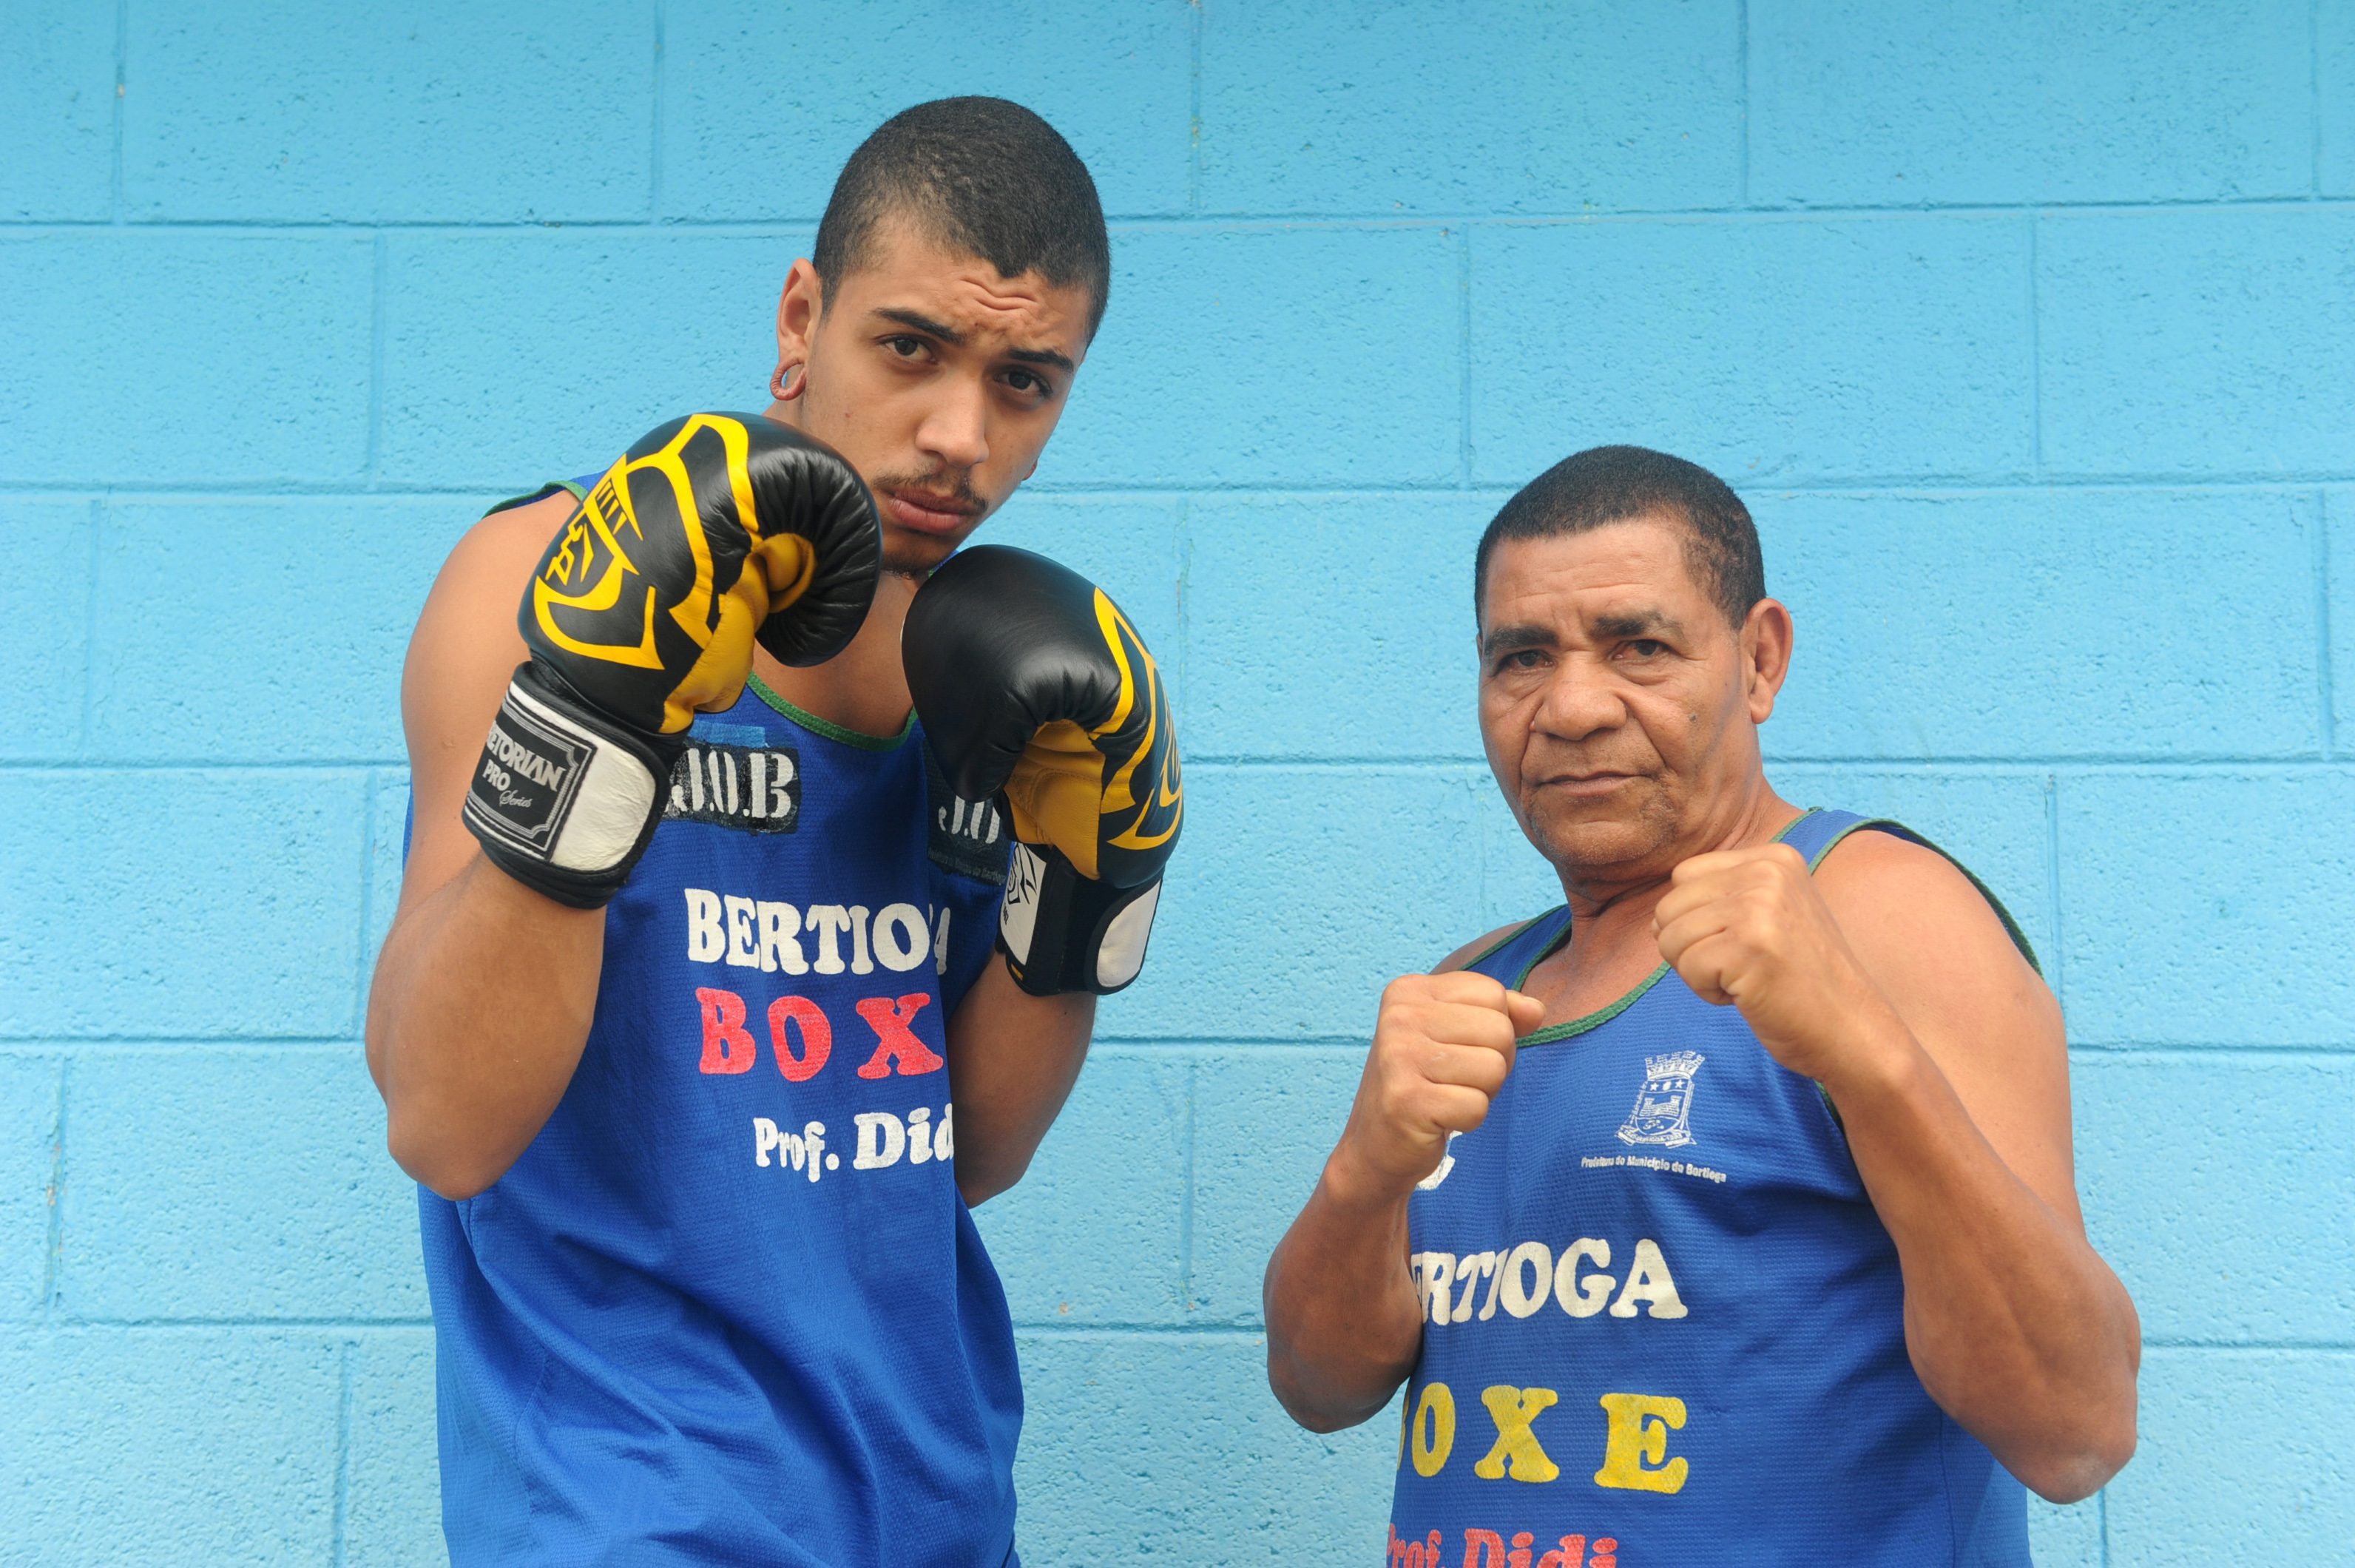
(572, 487)
(1898, 829)
(1511, 936)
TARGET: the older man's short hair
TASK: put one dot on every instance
(1607, 484)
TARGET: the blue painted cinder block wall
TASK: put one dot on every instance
(2027, 330)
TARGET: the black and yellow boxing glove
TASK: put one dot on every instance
(1028, 680)
(711, 531)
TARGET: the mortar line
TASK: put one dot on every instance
(362, 956)
(2060, 963)
(1186, 1195)
(656, 119)
(1261, 220)
(99, 508)
(1194, 21)
(2101, 1519)
(1910, 486)
(53, 1266)
(2035, 356)
(378, 265)
(343, 1449)
(2322, 622)
(1185, 587)
(2314, 96)
(121, 80)
(1741, 44)
(1464, 358)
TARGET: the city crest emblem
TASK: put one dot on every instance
(1663, 1112)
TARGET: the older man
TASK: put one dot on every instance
(1769, 1251)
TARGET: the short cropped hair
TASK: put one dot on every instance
(983, 176)
(1607, 484)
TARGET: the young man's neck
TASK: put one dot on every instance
(863, 687)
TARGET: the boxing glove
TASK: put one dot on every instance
(1028, 679)
(712, 531)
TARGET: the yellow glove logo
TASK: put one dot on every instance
(584, 575)
(1162, 805)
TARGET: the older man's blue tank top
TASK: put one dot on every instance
(729, 1306)
(1663, 1325)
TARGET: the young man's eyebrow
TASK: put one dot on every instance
(922, 323)
(955, 339)
(1042, 356)
(1514, 639)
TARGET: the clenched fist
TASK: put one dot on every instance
(1443, 1047)
(1747, 928)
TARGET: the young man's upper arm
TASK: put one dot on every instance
(1940, 953)
(460, 657)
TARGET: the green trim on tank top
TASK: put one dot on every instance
(1604, 1015)
(827, 728)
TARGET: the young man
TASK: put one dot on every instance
(690, 1022)
(1725, 1214)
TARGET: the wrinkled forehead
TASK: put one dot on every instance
(905, 267)
(1599, 578)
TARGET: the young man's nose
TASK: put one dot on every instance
(955, 430)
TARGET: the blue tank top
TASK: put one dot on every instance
(1663, 1325)
(729, 1306)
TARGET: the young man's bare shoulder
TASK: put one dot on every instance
(507, 544)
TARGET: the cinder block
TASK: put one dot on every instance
(58, 116)
(346, 578)
(1964, 101)
(248, 1183)
(2067, 1537)
(392, 1509)
(1169, 1447)
(745, 138)
(1516, 883)
(30, 1089)
(275, 328)
(1263, 1122)
(1993, 626)
(2218, 1190)
(1269, 356)
(2335, 75)
(1333, 626)
(2197, 341)
(129, 1448)
(1094, 1233)
(1299, 893)
(1425, 109)
(2209, 909)
(514, 358)
(1769, 351)
(2238, 1446)
(1995, 824)
(445, 112)
(45, 625)
(174, 903)
(1132, 548)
